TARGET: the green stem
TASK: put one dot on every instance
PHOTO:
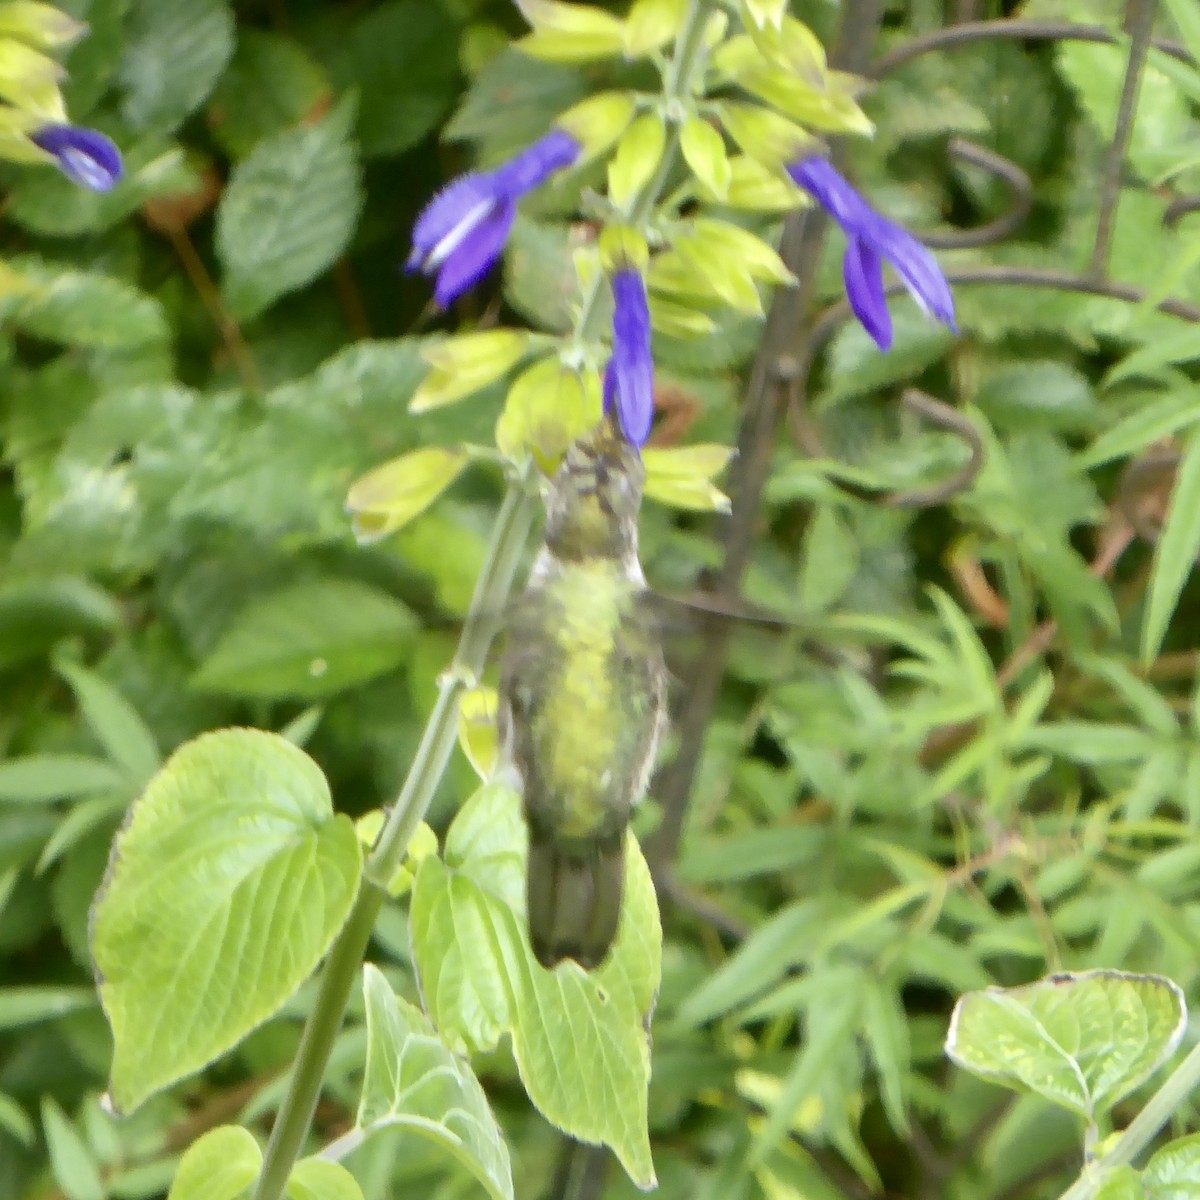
(1141, 1131)
(508, 542)
(345, 959)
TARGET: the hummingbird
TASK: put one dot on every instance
(583, 698)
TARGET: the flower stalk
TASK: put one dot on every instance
(492, 591)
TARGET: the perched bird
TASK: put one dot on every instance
(583, 698)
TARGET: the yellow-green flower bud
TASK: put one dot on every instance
(570, 33)
(40, 25)
(681, 476)
(623, 247)
(704, 152)
(597, 122)
(467, 363)
(637, 158)
(391, 495)
(765, 135)
(549, 406)
(651, 24)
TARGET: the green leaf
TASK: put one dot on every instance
(288, 212)
(74, 1167)
(309, 640)
(319, 1179)
(42, 777)
(21, 1006)
(225, 887)
(270, 86)
(579, 1038)
(35, 614)
(115, 722)
(511, 102)
(15, 1121)
(175, 51)
(1176, 552)
(221, 1165)
(856, 365)
(1080, 1040)
(1121, 1183)
(1143, 425)
(402, 58)
(829, 560)
(85, 308)
(1173, 1173)
(414, 1081)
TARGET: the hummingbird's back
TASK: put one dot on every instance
(583, 699)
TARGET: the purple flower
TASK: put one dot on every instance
(84, 156)
(871, 238)
(629, 377)
(464, 227)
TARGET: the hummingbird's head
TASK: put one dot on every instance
(595, 498)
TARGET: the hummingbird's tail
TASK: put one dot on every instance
(574, 898)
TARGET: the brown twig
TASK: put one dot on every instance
(1139, 22)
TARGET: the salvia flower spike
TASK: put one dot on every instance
(84, 156)
(462, 230)
(873, 239)
(629, 378)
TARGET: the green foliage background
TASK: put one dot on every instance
(915, 795)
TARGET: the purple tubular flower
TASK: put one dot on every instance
(872, 239)
(462, 230)
(629, 377)
(84, 156)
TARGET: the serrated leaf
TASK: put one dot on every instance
(1080, 1040)
(414, 1081)
(85, 308)
(829, 560)
(225, 888)
(1173, 1173)
(309, 639)
(1176, 551)
(578, 1037)
(270, 86)
(220, 1165)
(288, 211)
(320, 1179)
(402, 58)
(175, 51)
(74, 1167)
(116, 723)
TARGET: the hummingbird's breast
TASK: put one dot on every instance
(586, 708)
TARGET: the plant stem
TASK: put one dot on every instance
(341, 968)
(1141, 1131)
(509, 538)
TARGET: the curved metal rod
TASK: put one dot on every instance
(1019, 184)
(1044, 277)
(1029, 31)
(946, 417)
(1179, 208)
